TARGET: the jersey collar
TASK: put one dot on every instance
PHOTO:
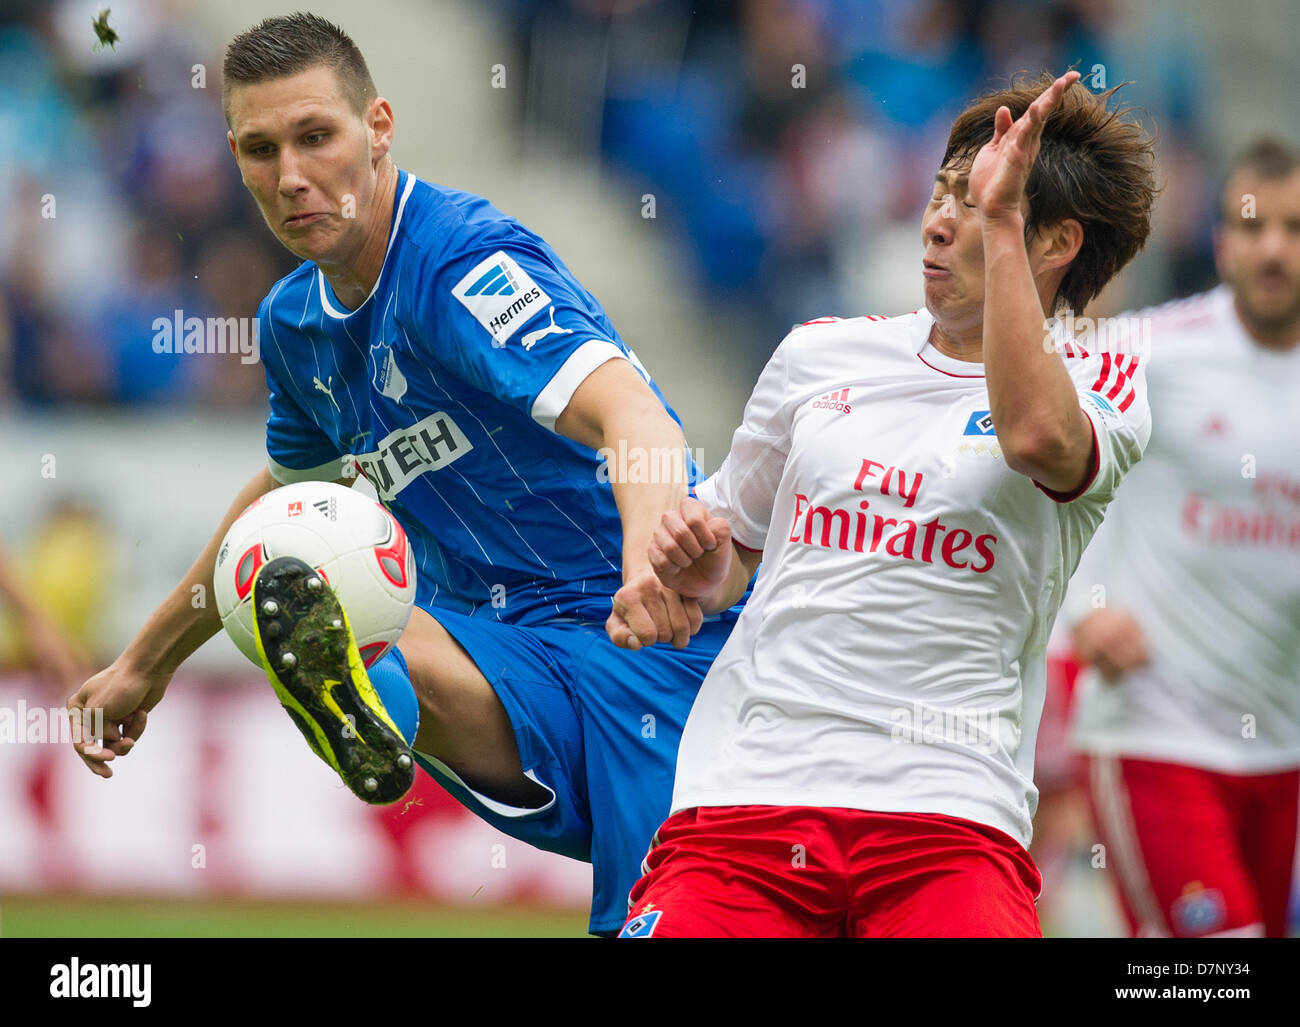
(328, 301)
(932, 358)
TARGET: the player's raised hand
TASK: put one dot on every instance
(646, 612)
(1112, 641)
(690, 551)
(125, 696)
(1000, 171)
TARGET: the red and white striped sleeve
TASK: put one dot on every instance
(1113, 394)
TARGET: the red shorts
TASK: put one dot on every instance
(1195, 852)
(800, 871)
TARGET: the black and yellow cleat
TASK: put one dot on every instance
(311, 658)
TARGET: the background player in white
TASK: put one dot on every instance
(1188, 604)
(859, 758)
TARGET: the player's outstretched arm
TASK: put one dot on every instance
(614, 412)
(1034, 404)
(692, 553)
(134, 683)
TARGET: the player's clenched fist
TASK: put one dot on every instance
(645, 612)
(690, 551)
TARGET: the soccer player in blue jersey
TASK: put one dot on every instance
(447, 352)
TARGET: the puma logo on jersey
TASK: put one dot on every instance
(321, 386)
(837, 401)
(532, 338)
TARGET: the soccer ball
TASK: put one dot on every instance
(352, 541)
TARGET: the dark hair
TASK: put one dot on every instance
(1268, 157)
(291, 43)
(1092, 166)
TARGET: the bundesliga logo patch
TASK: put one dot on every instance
(500, 295)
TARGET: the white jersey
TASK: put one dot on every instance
(1204, 550)
(891, 657)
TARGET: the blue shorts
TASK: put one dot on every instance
(596, 725)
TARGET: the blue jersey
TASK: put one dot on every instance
(445, 385)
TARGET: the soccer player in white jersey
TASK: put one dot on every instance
(1188, 606)
(859, 759)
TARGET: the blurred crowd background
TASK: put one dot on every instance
(156, 219)
(790, 144)
(796, 140)
(782, 150)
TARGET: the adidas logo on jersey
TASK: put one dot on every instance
(837, 401)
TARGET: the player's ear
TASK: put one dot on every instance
(1060, 243)
(379, 120)
(230, 138)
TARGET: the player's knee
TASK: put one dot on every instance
(441, 671)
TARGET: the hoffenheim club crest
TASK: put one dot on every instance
(387, 376)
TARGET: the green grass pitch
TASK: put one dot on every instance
(98, 917)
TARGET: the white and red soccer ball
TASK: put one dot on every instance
(352, 541)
